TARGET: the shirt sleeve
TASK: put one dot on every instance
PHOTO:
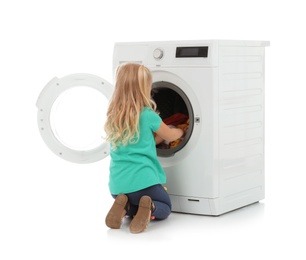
(154, 119)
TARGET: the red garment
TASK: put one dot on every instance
(176, 119)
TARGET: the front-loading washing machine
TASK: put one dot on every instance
(218, 86)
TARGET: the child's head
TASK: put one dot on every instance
(133, 80)
(132, 93)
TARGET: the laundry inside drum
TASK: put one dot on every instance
(176, 111)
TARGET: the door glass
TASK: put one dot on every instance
(77, 118)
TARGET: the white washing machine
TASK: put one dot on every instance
(219, 85)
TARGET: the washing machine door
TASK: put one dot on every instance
(71, 115)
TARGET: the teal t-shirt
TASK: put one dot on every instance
(135, 166)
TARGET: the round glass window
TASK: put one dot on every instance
(77, 118)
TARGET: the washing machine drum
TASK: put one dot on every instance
(176, 110)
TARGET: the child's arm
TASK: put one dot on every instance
(164, 132)
(158, 139)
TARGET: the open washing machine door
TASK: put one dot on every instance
(71, 115)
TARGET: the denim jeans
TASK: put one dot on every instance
(159, 197)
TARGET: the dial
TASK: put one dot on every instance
(158, 54)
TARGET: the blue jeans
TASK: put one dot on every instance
(159, 197)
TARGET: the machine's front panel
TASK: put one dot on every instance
(191, 168)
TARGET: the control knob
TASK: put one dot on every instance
(158, 54)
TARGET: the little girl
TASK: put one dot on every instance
(136, 176)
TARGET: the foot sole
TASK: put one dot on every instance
(117, 212)
(142, 218)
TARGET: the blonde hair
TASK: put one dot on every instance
(132, 93)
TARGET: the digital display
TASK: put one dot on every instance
(192, 52)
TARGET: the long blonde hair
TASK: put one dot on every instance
(132, 93)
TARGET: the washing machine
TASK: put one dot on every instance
(218, 85)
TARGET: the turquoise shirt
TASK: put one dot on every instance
(135, 166)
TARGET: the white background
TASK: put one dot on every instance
(53, 209)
